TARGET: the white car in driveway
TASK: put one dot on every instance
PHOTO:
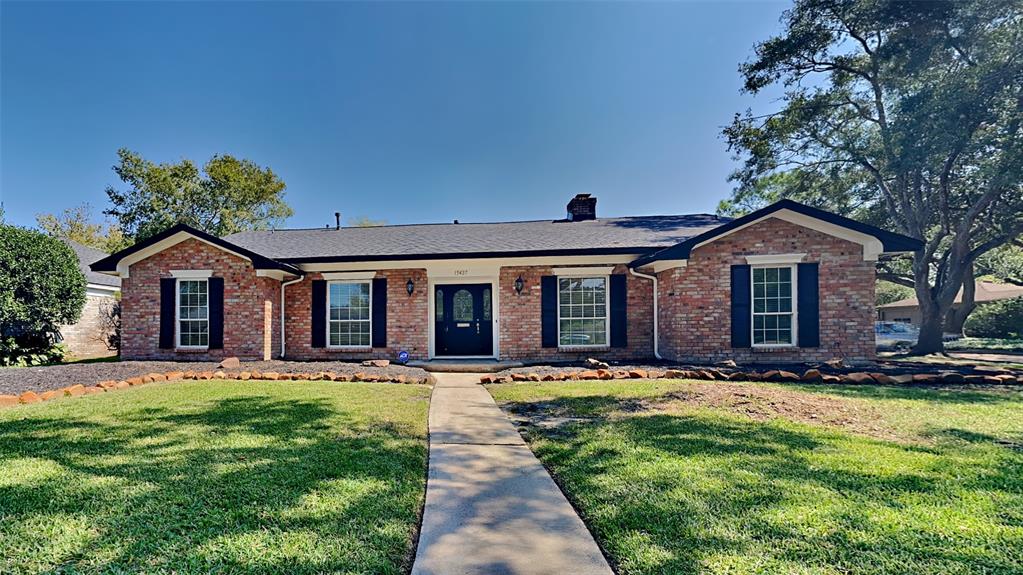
(895, 334)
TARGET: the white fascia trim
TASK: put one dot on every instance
(350, 275)
(580, 272)
(663, 265)
(775, 259)
(872, 247)
(192, 274)
(476, 266)
(279, 275)
(125, 263)
(101, 287)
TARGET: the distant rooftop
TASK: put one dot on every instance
(986, 291)
(87, 255)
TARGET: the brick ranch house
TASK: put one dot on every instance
(785, 283)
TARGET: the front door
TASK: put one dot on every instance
(463, 315)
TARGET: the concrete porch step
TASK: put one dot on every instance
(465, 365)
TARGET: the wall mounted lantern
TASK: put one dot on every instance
(410, 286)
(519, 284)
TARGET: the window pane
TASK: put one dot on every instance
(439, 303)
(193, 311)
(582, 311)
(349, 314)
(486, 304)
(772, 306)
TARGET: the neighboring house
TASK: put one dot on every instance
(908, 310)
(90, 337)
(785, 283)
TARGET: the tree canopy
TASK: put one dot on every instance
(226, 196)
(904, 114)
(77, 224)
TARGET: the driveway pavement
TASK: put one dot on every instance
(491, 507)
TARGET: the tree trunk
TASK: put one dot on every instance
(931, 332)
(957, 315)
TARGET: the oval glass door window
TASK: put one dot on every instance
(461, 303)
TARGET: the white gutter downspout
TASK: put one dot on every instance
(653, 279)
(284, 285)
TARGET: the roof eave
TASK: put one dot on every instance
(470, 255)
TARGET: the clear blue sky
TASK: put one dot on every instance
(405, 112)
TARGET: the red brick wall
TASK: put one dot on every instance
(520, 336)
(407, 320)
(250, 305)
(90, 336)
(694, 304)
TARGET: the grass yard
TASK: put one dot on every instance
(215, 477)
(701, 477)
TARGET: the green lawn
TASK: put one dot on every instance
(215, 477)
(902, 480)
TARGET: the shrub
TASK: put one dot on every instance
(41, 288)
(999, 319)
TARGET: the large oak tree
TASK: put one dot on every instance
(904, 114)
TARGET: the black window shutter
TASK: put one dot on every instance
(619, 315)
(379, 312)
(742, 296)
(549, 311)
(215, 293)
(808, 305)
(318, 321)
(168, 292)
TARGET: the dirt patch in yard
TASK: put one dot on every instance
(754, 401)
(763, 403)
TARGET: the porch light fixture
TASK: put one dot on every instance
(519, 284)
(410, 286)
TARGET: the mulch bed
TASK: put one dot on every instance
(16, 380)
(880, 373)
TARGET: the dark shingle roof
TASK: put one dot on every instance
(87, 255)
(640, 234)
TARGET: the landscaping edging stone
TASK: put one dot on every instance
(368, 374)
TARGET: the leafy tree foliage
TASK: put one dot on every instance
(41, 288)
(887, 292)
(1004, 264)
(903, 114)
(228, 195)
(77, 224)
(365, 222)
(998, 319)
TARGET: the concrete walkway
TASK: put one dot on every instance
(491, 507)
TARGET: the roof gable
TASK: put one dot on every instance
(119, 262)
(875, 240)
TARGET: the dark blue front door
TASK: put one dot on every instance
(463, 320)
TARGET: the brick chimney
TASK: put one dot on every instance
(582, 207)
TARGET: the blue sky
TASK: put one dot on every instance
(416, 112)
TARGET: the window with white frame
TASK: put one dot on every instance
(348, 314)
(773, 315)
(582, 311)
(193, 313)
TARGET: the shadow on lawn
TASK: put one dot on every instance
(963, 394)
(165, 489)
(697, 486)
